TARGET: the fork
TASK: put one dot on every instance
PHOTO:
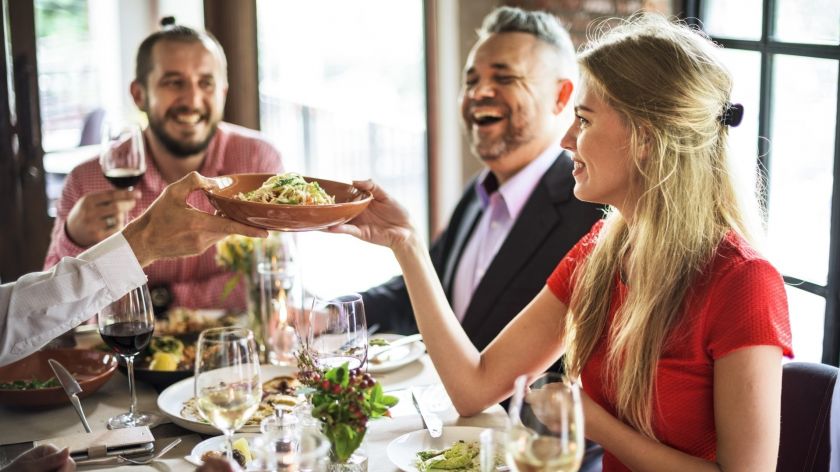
(142, 460)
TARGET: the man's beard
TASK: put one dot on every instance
(178, 148)
(498, 147)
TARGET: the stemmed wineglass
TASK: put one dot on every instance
(337, 332)
(126, 325)
(228, 389)
(545, 431)
(123, 158)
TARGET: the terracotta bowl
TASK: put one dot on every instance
(90, 367)
(350, 201)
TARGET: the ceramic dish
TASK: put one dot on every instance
(90, 367)
(218, 443)
(402, 452)
(397, 357)
(171, 402)
(349, 202)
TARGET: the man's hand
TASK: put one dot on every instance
(42, 459)
(384, 222)
(98, 215)
(172, 228)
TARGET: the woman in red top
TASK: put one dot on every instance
(675, 325)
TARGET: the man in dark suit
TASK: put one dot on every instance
(518, 218)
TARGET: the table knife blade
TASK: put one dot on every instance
(431, 421)
(71, 388)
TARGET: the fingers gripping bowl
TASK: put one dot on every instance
(349, 202)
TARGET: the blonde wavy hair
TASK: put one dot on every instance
(664, 79)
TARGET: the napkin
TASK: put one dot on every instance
(99, 444)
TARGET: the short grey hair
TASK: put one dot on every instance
(542, 25)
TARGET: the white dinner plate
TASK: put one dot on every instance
(217, 444)
(403, 451)
(396, 357)
(171, 401)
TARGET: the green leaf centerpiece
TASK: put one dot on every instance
(343, 399)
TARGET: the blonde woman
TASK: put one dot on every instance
(674, 323)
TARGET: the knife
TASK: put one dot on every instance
(378, 350)
(431, 421)
(71, 388)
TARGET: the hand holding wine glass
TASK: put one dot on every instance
(545, 431)
(126, 325)
(123, 159)
(337, 332)
(228, 389)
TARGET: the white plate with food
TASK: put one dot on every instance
(217, 447)
(279, 385)
(402, 452)
(393, 358)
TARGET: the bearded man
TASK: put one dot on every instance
(181, 85)
(518, 217)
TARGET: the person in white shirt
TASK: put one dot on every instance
(41, 305)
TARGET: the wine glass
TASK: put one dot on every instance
(126, 325)
(545, 431)
(123, 157)
(337, 332)
(228, 389)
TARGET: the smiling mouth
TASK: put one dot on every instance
(486, 117)
(187, 118)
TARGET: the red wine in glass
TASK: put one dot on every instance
(124, 178)
(123, 156)
(127, 338)
(126, 325)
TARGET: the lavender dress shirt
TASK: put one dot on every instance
(501, 205)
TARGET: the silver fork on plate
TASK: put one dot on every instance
(147, 458)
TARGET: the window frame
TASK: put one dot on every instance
(769, 47)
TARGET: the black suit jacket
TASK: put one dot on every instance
(550, 223)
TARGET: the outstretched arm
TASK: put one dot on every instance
(474, 380)
(42, 305)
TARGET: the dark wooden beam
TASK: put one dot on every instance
(235, 26)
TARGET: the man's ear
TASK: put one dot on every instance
(138, 94)
(564, 93)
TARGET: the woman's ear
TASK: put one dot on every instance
(644, 141)
(564, 93)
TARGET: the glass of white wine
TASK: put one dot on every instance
(228, 389)
(337, 332)
(545, 431)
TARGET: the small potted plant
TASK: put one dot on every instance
(343, 400)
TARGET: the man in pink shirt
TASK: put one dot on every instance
(181, 84)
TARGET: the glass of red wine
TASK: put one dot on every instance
(126, 326)
(123, 156)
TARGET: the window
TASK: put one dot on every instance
(86, 51)
(342, 97)
(785, 59)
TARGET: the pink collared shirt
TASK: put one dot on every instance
(195, 282)
(502, 207)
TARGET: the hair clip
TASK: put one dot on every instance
(167, 21)
(732, 114)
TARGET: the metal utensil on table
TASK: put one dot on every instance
(391, 345)
(154, 455)
(431, 421)
(71, 388)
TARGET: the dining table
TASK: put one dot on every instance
(20, 427)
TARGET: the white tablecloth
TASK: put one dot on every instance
(19, 426)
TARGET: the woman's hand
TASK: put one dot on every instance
(385, 222)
